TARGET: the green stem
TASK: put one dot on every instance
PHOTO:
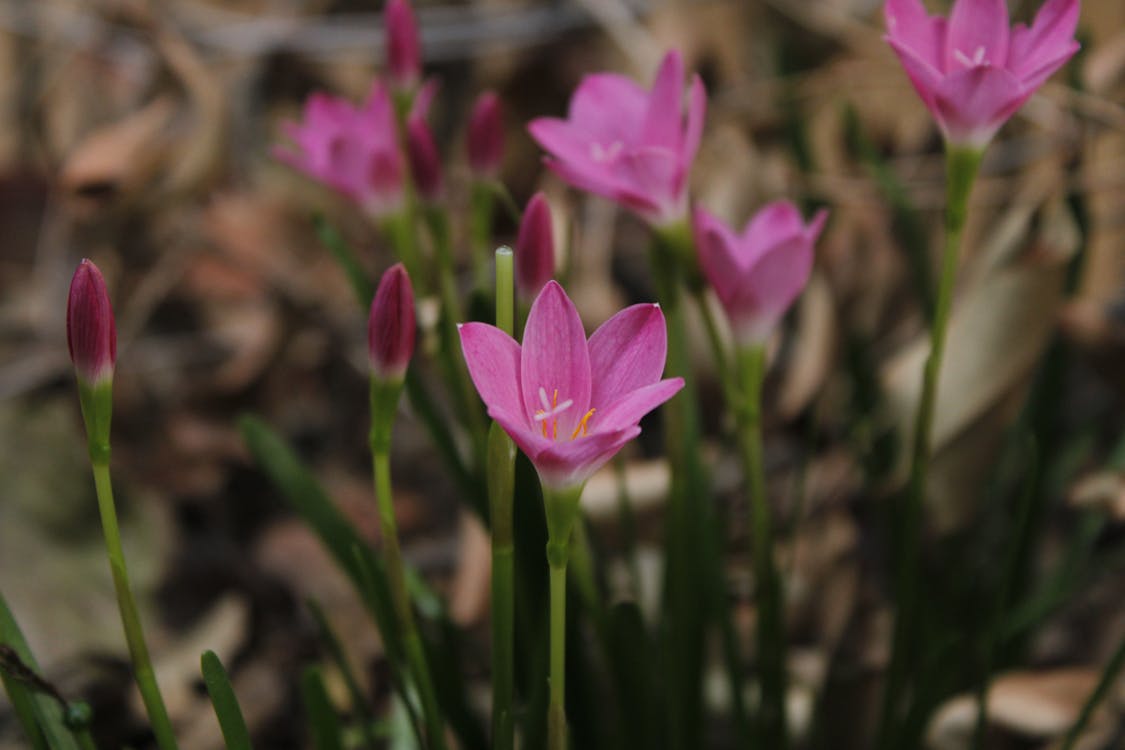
(481, 201)
(130, 618)
(396, 579)
(961, 167)
(772, 724)
(501, 488)
(400, 229)
(718, 346)
(556, 711)
(456, 371)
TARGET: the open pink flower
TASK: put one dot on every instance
(759, 273)
(627, 144)
(351, 149)
(971, 70)
(568, 403)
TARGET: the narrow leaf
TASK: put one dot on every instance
(227, 710)
(324, 724)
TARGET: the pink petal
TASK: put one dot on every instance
(924, 76)
(524, 434)
(976, 27)
(774, 223)
(664, 114)
(912, 28)
(608, 107)
(973, 103)
(716, 247)
(628, 410)
(1032, 78)
(653, 176)
(555, 358)
(571, 462)
(493, 358)
(627, 352)
(769, 289)
(562, 139)
(1050, 37)
(697, 112)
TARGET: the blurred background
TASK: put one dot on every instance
(139, 134)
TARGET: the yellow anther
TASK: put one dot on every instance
(582, 424)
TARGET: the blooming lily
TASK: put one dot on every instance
(91, 334)
(568, 403)
(351, 149)
(971, 70)
(627, 144)
(759, 273)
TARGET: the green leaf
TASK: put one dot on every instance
(233, 726)
(338, 246)
(324, 724)
(40, 714)
(336, 651)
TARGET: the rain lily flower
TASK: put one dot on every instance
(404, 51)
(485, 142)
(568, 403)
(351, 149)
(971, 70)
(390, 328)
(535, 248)
(91, 334)
(630, 145)
(759, 273)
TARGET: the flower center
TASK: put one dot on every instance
(604, 154)
(548, 416)
(970, 62)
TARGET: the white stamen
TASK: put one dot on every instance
(548, 411)
(969, 62)
(600, 153)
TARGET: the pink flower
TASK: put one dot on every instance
(759, 273)
(351, 149)
(486, 135)
(390, 328)
(627, 144)
(91, 334)
(972, 72)
(404, 51)
(568, 403)
(535, 247)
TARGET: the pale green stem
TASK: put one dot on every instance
(961, 170)
(396, 570)
(772, 726)
(130, 617)
(501, 487)
(556, 711)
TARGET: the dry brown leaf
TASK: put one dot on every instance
(1104, 490)
(814, 349)
(469, 594)
(120, 159)
(1029, 704)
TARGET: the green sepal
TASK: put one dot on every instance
(97, 409)
(562, 511)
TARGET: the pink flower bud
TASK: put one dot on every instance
(390, 329)
(425, 162)
(486, 135)
(404, 52)
(535, 248)
(90, 332)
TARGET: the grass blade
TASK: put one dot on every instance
(324, 724)
(227, 710)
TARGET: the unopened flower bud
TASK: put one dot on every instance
(390, 329)
(486, 135)
(425, 162)
(404, 52)
(90, 331)
(535, 248)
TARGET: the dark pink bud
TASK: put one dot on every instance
(390, 329)
(425, 162)
(486, 135)
(90, 332)
(535, 248)
(404, 52)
